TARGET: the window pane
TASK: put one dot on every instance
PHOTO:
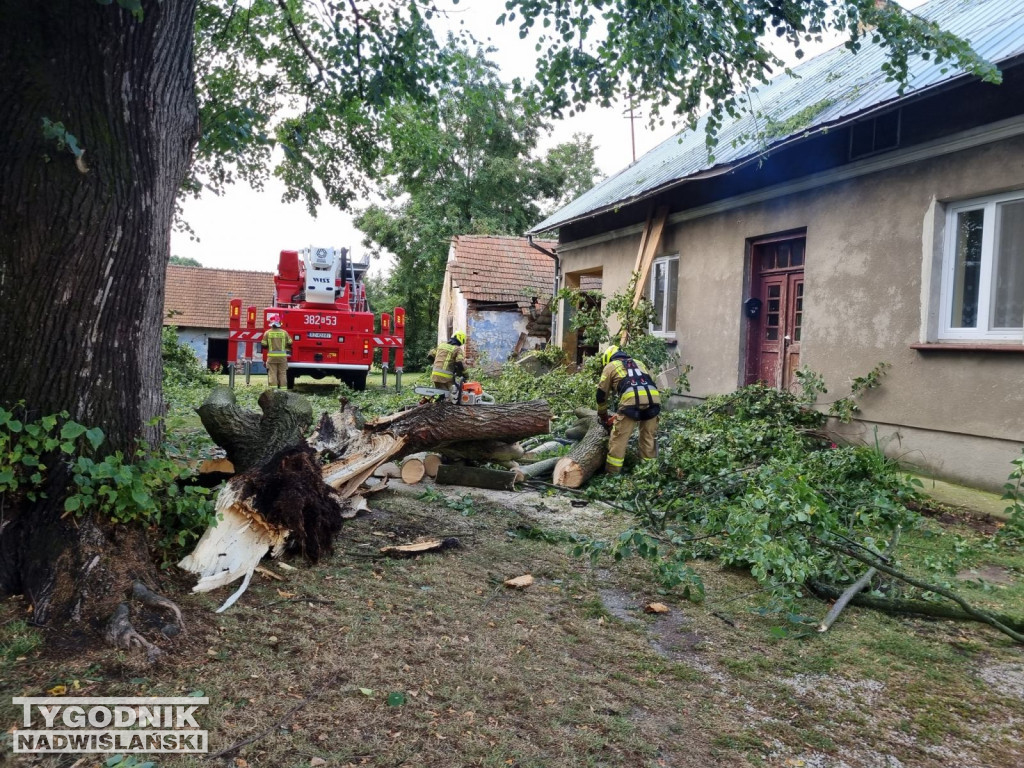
(1008, 289)
(659, 296)
(673, 292)
(967, 269)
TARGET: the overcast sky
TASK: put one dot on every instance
(245, 229)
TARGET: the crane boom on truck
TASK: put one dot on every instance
(320, 301)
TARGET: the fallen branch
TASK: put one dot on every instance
(980, 616)
(857, 586)
(900, 607)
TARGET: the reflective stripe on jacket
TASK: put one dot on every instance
(276, 341)
(631, 381)
(447, 357)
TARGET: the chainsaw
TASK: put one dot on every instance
(462, 392)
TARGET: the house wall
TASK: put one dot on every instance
(493, 334)
(198, 339)
(872, 242)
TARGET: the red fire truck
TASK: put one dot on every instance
(320, 301)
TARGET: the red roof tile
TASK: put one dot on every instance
(199, 297)
(502, 269)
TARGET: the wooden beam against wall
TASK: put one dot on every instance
(650, 241)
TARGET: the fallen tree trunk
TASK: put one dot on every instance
(585, 458)
(476, 477)
(484, 450)
(280, 503)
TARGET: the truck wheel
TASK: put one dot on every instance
(355, 381)
(290, 376)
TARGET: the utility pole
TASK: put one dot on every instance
(632, 126)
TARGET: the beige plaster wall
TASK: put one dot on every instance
(871, 243)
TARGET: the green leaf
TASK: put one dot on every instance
(71, 430)
(72, 504)
(95, 437)
(366, 691)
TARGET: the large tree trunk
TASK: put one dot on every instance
(84, 243)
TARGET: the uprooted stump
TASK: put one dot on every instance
(283, 505)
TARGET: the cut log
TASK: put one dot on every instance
(249, 438)
(476, 477)
(584, 459)
(539, 469)
(413, 470)
(431, 462)
(388, 469)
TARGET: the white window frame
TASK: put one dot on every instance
(650, 293)
(989, 233)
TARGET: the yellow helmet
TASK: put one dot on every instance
(609, 354)
(460, 337)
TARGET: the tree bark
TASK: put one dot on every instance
(249, 438)
(84, 244)
(476, 477)
(585, 458)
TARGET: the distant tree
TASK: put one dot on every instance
(465, 165)
(185, 261)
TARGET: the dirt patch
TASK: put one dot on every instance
(1008, 679)
(992, 574)
(568, 672)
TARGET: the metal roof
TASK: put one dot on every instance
(831, 88)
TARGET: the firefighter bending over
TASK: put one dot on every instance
(639, 403)
(277, 343)
(449, 361)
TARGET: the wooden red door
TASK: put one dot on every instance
(773, 337)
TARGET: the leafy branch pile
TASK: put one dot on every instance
(751, 480)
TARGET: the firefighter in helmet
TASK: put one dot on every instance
(449, 361)
(277, 343)
(639, 403)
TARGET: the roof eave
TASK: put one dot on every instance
(793, 138)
